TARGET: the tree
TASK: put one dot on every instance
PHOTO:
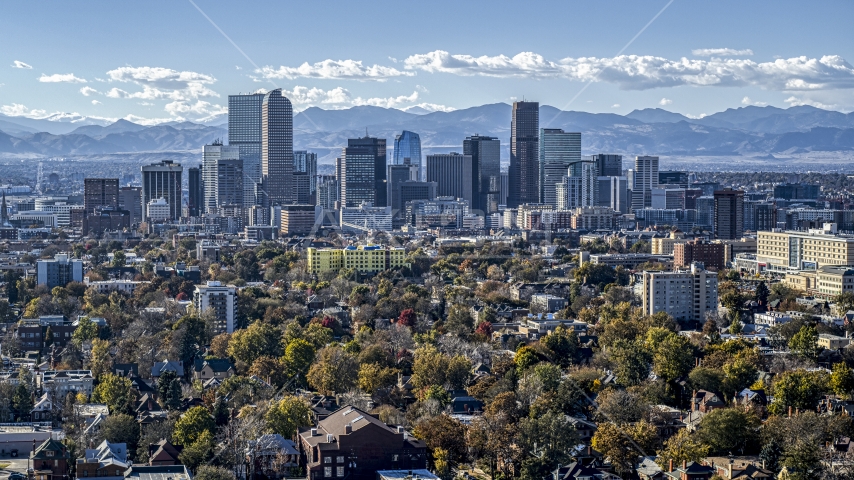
(621, 444)
(727, 430)
(673, 358)
(446, 434)
(258, 340)
(334, 371)
(762, 292)
(705, 378)
(407, 318)
(526, 357)
(192, 425)
(546, 441)
(164, 382)
(287, 415)
(771, 454)
(114, 391)
(843, 302)
(86, 330)
(299, 354)
(842, 380)
(682, 447)
(210, 472)
(199, 451)
(373, 377)
(460, 321)
(429, 367)
(119, 258)
(121, 428)
(798, 389)
(100, 361)
(631, 362)
(805, 343)
(564, 344)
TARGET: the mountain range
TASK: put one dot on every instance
(747, 131)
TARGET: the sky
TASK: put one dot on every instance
(157, 61)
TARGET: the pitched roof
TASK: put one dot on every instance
(49, 445)
(216, 364)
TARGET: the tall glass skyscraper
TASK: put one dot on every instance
(408, 145)
(306, 162)
(524, 159)
(486, 177)
(277, 148)
(376, 148)
(558, 151)
(244, 132)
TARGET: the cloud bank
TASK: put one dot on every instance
(333, 69)
(61, 78)
(721, 52)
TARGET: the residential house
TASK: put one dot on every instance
(108, 461)
(126, 369)
(580, 471)
(464, 405)
(351, 443)
(419, 474)
(159, 368)
(219, 368)
(689, 471)
(164, 453)
(49, 460)
(705, 401)
(273, 456)
(64, 381)
(43, 409)
(739, 469)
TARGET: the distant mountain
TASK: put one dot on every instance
(754, 131)
(55, 125)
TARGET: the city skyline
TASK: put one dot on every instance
(728, 55)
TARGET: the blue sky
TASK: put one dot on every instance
(158, 61)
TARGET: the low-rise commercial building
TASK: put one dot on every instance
(832, 342)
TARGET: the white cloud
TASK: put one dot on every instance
(95, 102)
(162, 83)
(721, 52)
(748, 101)
(201, 111)
(333, 69)
(340, 97)
(20, 64)
(616, 105)
(431, 107)
(149, 121)
(19, 110)
(801, 101)
(86, 91)
(387, 102)
(635, 72)
(61, 78)
(238, 67)
(665, 101)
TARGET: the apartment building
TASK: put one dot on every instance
(684, 295)
(219, 299)
(366, 259)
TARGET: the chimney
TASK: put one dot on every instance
(313, 432)
(400, 429)
(670, 467)
(348, 429)
(330, 438)
(684, 465)
(790, 411)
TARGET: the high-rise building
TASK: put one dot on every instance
(59, 271)
(407, 145)
(453, 174)
(609, 165)
(100, 192)
(221, 301)
(306, 162)
(277, 148)
(684, 295)
(580, 189)
(558, 151)
(375, 147)
(729, 214)
(706, 211)
(486, 175)
(673, 179)
(645, 178)
(504, 191)
(244, 132)
(524, 157)
(130, 199)
(397, 174)
(196, 192)
(670, 198)
(327, 191)
(302, 189)
(163, 180)
(222, 177)
(613, 193)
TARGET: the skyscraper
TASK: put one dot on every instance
(100, 192)
(163, 180)
(486, 174)
(580, 189)
(408, 145)
(306, 162)
(277, 148)
(729, 214)
(222, 177)
(397, 174)
(196, 193)
(453, 174)
(609, 165)
(645, 178)
(524, 158)
(558, 151)
(376, 148)
(244, 132)
(130, 199)
(613, 193)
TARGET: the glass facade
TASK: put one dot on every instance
(486, 177)
(244, 132)
(222, 177)
(524, 159)
(306, 162)
(408, 145)
(277, 148)
(558, 151)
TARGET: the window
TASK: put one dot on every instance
(327, 472)
(327, 459)
(339, 472)
(340, 459)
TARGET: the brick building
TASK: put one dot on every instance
(711, 255)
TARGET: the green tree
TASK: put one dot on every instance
(682, 447)
(258, 340)
(762, 292)
(86, 330)
(843, 302)
(114, 391)
(287, 415)
(798, 389)
(727, 430)
(673, 358)
(334, 371)
(460, 321)
(163, 383)
(546, 441)
(299, 354)
(525, 358)
(563, 343)
(842, 380)
(429, 368)
(623, 443)
(119, 258)
(631, 362)
(445, 438)
(199, 451)
(121, 428)
(805, 343)
(191, 425)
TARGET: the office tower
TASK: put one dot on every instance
(673, 179)
(222, 177)
(669, 198)
(504, 191)
(277, 148)
(764, 217)
(397, 174)
(302, 189)
(410, 191)
(580, 189)
(804, 250)
(645, 178)
(244, 132)
(163, 180)
(691, 196)
(708, 188)
(408, 145)
(486, 177)
(306, 162)
(609, 165)
(729, 214)
(327, 191)
(196, 194)
(706, 212)
(130, 199)
(613, 193)
(796, 191)
(452, 172)
(100, 192)
(524, 158)
(558, 151)
(375, 147)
